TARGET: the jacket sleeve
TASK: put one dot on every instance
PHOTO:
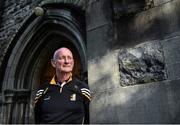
(87, 99)
(86, 92)
(37, 103)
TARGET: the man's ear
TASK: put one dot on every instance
(53, 63)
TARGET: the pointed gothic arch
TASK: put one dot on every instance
(29, 55)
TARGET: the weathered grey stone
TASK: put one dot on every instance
(77, 3)
(155, 23)
(171, 48)
(104, 72)
(98, 14)
(96, 37)
(128, 7)
(146, 103)
(159, 2)
(13, 16)
(142, 64)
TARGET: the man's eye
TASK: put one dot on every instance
(69, 58)
(61, 58)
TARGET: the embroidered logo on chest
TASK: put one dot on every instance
(73, 97)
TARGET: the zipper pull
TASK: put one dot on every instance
(61, 87)
(60, 90)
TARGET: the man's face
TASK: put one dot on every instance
(64, 61)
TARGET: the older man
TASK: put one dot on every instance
(64, 99)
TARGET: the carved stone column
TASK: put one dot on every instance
(15, 102)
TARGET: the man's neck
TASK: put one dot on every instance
(63, 76)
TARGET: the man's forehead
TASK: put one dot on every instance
(63, 51)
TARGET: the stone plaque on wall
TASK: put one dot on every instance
(141, 64)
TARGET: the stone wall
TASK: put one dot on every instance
(133, 63)
(1, 10)
(15, 13)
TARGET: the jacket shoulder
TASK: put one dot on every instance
(41, 91)
(84, 88)
(80, 83)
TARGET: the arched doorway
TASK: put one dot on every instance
(28, 63)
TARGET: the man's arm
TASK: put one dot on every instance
(87, 99)
(37, 102)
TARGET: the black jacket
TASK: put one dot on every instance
(66, 104)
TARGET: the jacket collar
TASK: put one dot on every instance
(54, 80)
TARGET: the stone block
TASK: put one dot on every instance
(143, 63)
(99, 41)
(173, 100)
(103, 72)
(173, 71)
(98, 13)
(171, 48)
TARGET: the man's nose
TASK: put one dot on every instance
(66, 60)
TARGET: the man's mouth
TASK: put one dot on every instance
(67, 66)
